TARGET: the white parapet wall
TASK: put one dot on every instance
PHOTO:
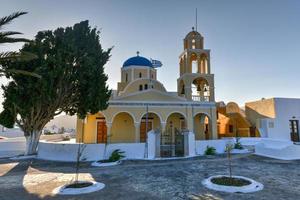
(219, 145)
(66, 151)
(131, 150)
(12, 147)
(279, 149)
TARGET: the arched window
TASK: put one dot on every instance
(193, 44)
(140, 75)
(146, 87)
(126, 77)
(194, 63)
(141, 87)
(195, 66)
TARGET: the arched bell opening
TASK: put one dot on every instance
(203, 64)
(194, 63)
(200, 90)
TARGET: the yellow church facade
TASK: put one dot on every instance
(141, 103)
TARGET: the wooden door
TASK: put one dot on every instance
(101, 131)
(206, 132)
(294, 127)
(182, 125)
(143, 131)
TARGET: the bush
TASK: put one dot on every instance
(210, 151)
(66, 138)
(116, 155)
(238, 144)
(49, 133)
(230, 181)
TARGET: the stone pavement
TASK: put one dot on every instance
(168, 179)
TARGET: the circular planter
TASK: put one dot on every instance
(105, 164)
(252, 187)
(66, 190)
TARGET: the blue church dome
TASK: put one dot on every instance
(137, 61)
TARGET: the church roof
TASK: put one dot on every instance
(193, 34)
(137, 61)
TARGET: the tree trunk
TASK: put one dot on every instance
(32, 141)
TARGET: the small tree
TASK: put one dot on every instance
(79, 158)
(228, 149)
(71, 62)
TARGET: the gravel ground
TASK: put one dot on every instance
(166, 179)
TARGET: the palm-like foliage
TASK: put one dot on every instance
(6, 37)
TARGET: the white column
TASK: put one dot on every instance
(137, 132)
(189, 144)
(108, 126)
(151, 144)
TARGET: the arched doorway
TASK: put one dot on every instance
(149, 121)
(202, 127)
(123, 130)
(101, 128)
(172, 138)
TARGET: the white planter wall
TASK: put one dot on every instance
(13, 144)
(284, 150)
(68, 151)
(132, 150)
(92, 152)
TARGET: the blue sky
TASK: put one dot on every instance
(255, 45)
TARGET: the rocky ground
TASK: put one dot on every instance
(168, 179)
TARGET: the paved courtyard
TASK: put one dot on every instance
(168, 179)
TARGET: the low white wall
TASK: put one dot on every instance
(12, 133)
(66, 151)
(10, 144)
(284, 150)
(275, 144)
(131, 150)
(219, 145)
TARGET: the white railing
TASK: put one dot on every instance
(200, 98)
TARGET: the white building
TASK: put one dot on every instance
(275, 118)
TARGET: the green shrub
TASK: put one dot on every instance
(238, 144)
(210, 150)
(116, 155)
